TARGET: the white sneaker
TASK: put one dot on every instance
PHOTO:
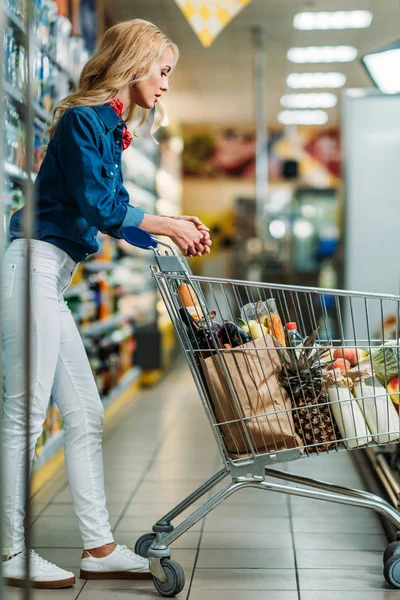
(43, 574)
(122, 563)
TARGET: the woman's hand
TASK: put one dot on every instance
(190, 239)
(190, 235)
(207, 243)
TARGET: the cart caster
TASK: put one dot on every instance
(391, 571)
(175, 579)
(143, 544)
(392, 550)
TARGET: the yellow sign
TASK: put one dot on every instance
(209, 17)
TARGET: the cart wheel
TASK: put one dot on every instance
(175, 579)
(391, 571)
(392, 550)
(143, 544)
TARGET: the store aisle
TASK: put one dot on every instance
(253, 547)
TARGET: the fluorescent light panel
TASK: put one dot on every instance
(310, 100)
(341, 19)
(300, 81)
(303, 117)
(384, 68)
(322, 54)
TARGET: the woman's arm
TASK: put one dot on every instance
(189, 239)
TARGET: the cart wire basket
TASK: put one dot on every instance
(272, 397)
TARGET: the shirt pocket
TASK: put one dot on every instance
(8, 280)
(108, 170)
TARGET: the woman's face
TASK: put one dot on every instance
(146, 93)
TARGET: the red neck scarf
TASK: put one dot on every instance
(119, 109)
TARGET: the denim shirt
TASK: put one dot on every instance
(79, 188)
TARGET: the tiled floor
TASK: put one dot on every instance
(255, 546)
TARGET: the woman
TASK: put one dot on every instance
(78, 192)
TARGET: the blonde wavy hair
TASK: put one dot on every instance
(124, 56)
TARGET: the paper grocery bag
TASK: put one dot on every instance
(252, 408)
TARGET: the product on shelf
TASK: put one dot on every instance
(111, 356)
(14, 62)
(77, 55)
(38, 151)
(13, 200)
(14, 136)
(18, 8)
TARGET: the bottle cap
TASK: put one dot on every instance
(291, 326)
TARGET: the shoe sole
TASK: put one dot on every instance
(41, 585)
(115, 575)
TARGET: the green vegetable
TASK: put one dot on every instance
(386, 360)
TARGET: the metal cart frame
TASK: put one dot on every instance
(256, 469)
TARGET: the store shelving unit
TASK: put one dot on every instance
(113, 296)
(17, 177)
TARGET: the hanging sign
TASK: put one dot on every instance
(209, 17)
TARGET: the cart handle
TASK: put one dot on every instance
(138, 237)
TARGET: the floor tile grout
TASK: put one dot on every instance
(286, 552)
(289, 506)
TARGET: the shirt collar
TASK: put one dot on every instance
(108, 115)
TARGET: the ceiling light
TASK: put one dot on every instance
(303, 117)
(341, 19)
(277, 229)
(302, 229)
(322, 54)
(384, 68)
(321, 100)
(316, 80)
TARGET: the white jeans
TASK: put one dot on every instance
(60, 368)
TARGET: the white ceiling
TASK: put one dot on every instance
(214, 85)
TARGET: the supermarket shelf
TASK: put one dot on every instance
(15, 95)
(14, 21)
(74, 290)
(41, 112)
(57, 64)
(18, 25)
(15, 173)
(18, 98)
(94, 266)
(102, 326)
(132, 376)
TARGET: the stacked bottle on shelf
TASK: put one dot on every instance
(15, 61)
(15, 136)
(59, 58)
(111, 356)
(18, 8)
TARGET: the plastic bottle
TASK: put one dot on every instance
(294, 338)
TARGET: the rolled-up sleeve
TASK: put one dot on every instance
(88, 178)
(134, 215)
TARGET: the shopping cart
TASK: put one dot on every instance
(269, 402)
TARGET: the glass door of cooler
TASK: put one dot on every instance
(315, 258)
